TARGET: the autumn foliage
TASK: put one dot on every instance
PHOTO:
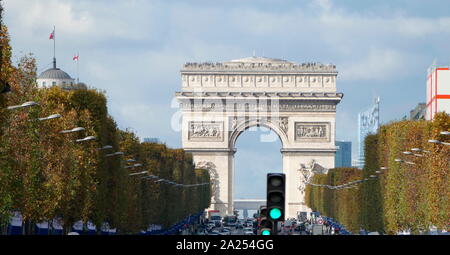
(46, 174)
(411, 196)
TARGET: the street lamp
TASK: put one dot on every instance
(77, 129)
(138, 173)
(403, 161)
(114, 154)
(105, 147)
(410, 153)
(438, 142)
(419, 150)
(53, 116)
(150, 177)
(87, 138)
(26, 104)
(135, 165)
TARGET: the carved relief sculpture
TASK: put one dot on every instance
(311, 131)
(205, 130)
(214, 177)
(234, 123)
(284, 124)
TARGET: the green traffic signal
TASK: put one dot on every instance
(275, 213)
(265, 232)
(276, 188)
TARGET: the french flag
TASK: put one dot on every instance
(52, 35)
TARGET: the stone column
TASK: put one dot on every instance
(294, 199)
(292, 158)
(219, 162)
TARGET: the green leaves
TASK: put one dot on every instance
(404, 196)
(46, 174)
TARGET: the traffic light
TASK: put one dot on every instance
(266, 231)
(276, 188)
(265, 225)
(262, 211)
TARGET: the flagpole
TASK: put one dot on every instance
(54, 47)
(78, 74)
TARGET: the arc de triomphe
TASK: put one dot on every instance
(219, 101)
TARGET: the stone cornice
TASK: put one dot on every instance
(312, 150)
(210, 150)
(280, 95)
(275, 67)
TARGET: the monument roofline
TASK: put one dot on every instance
(258, 64)
(296, 95)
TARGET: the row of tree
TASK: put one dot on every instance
(412, 194)
(342, 204)
(46, 174)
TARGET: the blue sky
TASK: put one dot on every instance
(134, 50)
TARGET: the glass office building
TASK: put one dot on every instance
(343, 154)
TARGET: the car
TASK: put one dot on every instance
(202, 232)
(300, 227)
(248, 233)
(226, 230)
(248, 229)
(214, 232)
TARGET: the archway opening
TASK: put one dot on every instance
(257, 153)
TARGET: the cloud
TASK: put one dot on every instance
(134, 50)
(378, 65)
(48, 14)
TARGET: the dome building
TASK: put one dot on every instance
(54, 77)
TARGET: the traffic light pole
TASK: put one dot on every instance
(275, 228)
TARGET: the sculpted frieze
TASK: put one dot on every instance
(205, 131)
(305, 67)
(254, 106)
(312, 131)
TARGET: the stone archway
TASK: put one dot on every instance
(245, 124)
(220, 101)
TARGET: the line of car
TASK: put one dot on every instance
(227, 228)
